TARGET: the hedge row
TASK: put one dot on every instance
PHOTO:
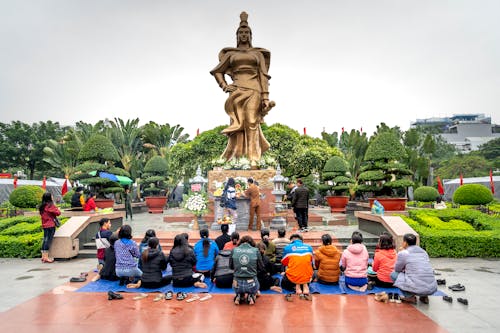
(21, 236)
(482, 240)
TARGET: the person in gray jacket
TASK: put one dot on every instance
(413, 273)
(222, 274)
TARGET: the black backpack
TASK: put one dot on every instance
(223, 199)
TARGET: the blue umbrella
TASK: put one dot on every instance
(109, 176)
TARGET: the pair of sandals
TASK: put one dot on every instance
(81, 278)
(457, 287)
(449, 299)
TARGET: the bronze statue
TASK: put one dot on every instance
(248, 100)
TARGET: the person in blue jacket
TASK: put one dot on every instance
(205, 251)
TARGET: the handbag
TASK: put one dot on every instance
(57, 222)
(223, 199)
(101, 243)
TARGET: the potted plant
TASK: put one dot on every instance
(336, 181)
(154, 184)
(383, 174)
(98, 171)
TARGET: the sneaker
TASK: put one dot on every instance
(464, 301)
(448, 299)
(441, 281)
(397, 299)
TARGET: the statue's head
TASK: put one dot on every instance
(244, 33)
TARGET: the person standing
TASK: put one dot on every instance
(48, 212)
(229, 199)
(292, 187)
(128, 204)
(253, 193)
(300, 202)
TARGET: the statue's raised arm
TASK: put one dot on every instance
(248, 100)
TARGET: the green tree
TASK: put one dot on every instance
(161, 138)
(491, 151)
(61, 156)
(467, 165)
(22, 145)
(126, 137)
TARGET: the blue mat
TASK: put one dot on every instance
(105, 286)
(328, 289)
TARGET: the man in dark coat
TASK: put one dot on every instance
(300, 203)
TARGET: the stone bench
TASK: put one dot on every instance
(78, 230)
(376, 224)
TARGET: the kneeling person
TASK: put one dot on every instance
(297, 258)
(246, 261)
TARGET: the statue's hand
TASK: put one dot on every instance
(229, 88)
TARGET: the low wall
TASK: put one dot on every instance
(81, 228)
(376, 224)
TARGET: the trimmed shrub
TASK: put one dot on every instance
(22, 228)
(425, 193)
(450, 242)
(472, 194)
(98, 149)
(28, 196)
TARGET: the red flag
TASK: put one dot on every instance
(342, 130)
(44, 183)
(304, 131)
(197, 132)
(461, 179)
(64, 188)
(492, 184)
(361, 130)
(15, 181)
(440, 185)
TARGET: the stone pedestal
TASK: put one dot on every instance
(242, 209)
(263, 177)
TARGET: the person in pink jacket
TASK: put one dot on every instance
(354, 261)
(48, 212)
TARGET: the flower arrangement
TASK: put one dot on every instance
(196, 203)
(267, 161)
(241, 185)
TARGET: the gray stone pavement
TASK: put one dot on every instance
(24, 279)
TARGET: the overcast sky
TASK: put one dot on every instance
(334, 63)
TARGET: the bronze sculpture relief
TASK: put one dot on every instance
(248, 100)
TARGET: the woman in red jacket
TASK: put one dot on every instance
(384, 261)
(48, 212)
(90, 203)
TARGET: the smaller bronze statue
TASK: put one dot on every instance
(248, 100)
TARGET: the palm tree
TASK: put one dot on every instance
(161, 138)
(61, 155)
(126, 137)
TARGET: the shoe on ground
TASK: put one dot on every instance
(448, 299)
(78, 279)
(112, 295)
(424, 299)
(397, 298)
(458, 287)
(390, 296)
(382, 297)
(441, 281)
(169, 295)
(464, 301)
(409, 299)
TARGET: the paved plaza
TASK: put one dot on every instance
(38, 297)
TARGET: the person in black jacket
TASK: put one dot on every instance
(182, 260)
(108, 270)
(76, 199)
(153, 263)
(300, 203)
(224, 238)
(222, 275)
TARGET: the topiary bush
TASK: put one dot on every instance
(440, 235)
(21, 236)
(335, 175)
(472, 194)
(426, 194)
(28, 196)
(383, 172)
(155, 175)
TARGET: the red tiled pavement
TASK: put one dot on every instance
(63, 310)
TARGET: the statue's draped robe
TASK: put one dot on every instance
(248, 69)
